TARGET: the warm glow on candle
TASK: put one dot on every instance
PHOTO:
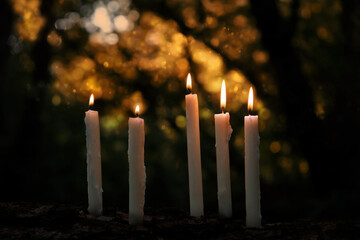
(251, 100)
(188, 82)
(223, 96)
(91, 101)
(137, 110)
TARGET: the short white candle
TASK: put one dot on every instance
(223, 132)
(93, 161)
(137, 175)
(252, 178)
(194, 155)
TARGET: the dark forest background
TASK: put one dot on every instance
(301, 56)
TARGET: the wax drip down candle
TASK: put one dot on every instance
(137, 175)
(194, 154)
(252, 178)
(93, 160)
(223, 133)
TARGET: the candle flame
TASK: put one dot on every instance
(251, 100)
(137, 110)
(188, 82)
(91, 101)
(223, 95)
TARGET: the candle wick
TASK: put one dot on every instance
(189, 90)
(223, 110)
(137, 115)
(91, 107)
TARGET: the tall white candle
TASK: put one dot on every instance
(223, 132)
(93, 161)
(194, 155)
(252, 178)
(137, 175)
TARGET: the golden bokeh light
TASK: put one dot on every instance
(240, 21)
(56, 100)
(267, 173)
(286, 164)
(210, 63)
(180, 121)
(206, 113)
(54, 39)
(219, 8)
(30, 21)
(80, 75)
(275, 147)
(102, 20)
(260, 57)
(304, 167)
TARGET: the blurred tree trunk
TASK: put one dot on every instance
(7, 18)
(25, 93)
(36, 102)
(347, 114)
(5, 15)
(305, 130)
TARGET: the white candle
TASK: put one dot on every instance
(93, 161)
(194, 155)
(252, 178)
(137, 175)
(223, 132)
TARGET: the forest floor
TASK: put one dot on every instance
(21, 220)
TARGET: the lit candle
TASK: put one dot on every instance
(93, 160)
(194, 155)
(252, 179)
(137, 175)
(223, 132)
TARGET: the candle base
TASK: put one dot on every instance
(253, 223)
(95, 212)
(136, 219)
